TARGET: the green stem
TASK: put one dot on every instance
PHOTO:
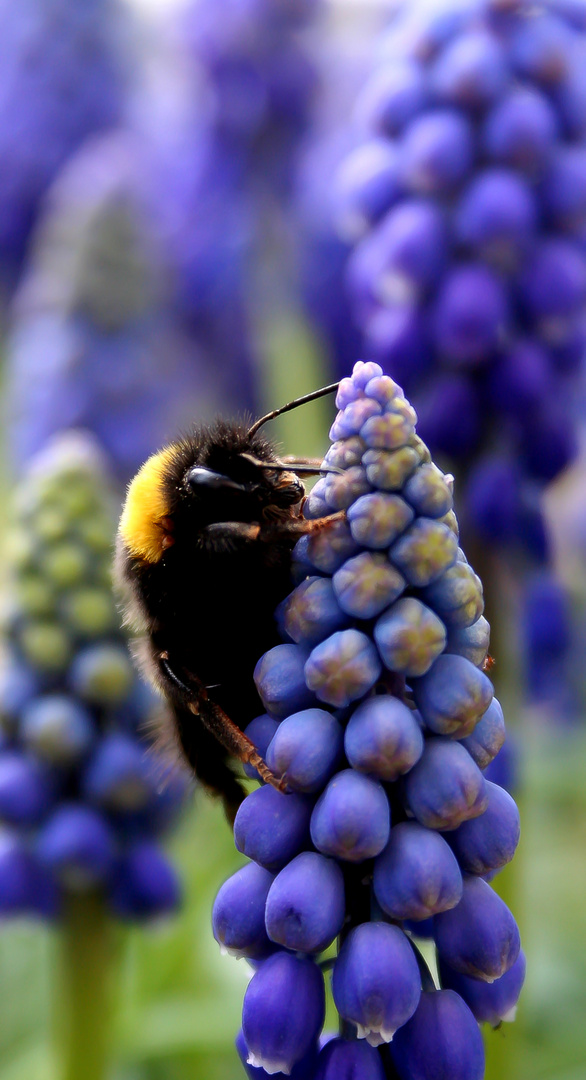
(84, 1005)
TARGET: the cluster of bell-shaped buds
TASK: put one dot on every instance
(381, 719)
(467, 206)
(63, 70)
(82, 801)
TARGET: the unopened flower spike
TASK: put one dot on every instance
(389, 825)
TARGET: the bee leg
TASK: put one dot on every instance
(299, 526)
(215, 720)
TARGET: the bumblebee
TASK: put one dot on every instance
(203, 558)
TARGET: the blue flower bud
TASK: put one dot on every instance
(272, 828)
(17, 687)
(504, 767)
(306, 749)
(437, 151)
(238, 914)
(452, 696)
(489, 1002)
(260, 732)
(377, 519)
(351, 819)
(417, 874)
(342, 1060)
(445, 787)
(342, 668)
(312, 612)
(26, 789)
(57, 728)
(488, 736)
(456, 596)
(409, 637)
(471, 71)
(352, 418)
(77, 844)
(283, 1012)
(489, 841)
(366, 186)
(366, 584)
(442, 1040)
(18, 876)
(470, 642)
(388, 469)
(428, 492)
(345, 453)
(144, 884)
(304, 1069)
(305, 905)
(383, 738)
(392, 97)
(424, 551)
(118, 775)
(479, 936)
(376, 983)
(390, 431)
(341, 489)
(280, 681)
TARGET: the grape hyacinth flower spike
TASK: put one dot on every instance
(389, 823)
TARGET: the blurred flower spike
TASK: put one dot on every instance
(83, 805)
(389, 826)
(465, 205)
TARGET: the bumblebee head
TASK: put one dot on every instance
(221, 474)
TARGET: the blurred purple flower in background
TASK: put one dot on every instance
(63, 70)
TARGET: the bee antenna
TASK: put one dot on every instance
(331, 389)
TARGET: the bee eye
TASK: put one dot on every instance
(200, 477)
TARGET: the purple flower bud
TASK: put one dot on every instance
(388, 469)
(398, 337)
(442, 1040)
(377, 519)
(57, 728)
(367, 185)
(341, 489)
(238, 914)
(541, 48)
(417, 874)
(383, 738)
(456, 596)
(392, 97)
(280, 680)
(471, 642)
(521, 378)
(409, 637)
(521, 128)
(304, 1069)
(428, 492)
(564, 187)
(488, 736)
(489, 841)
(272, 828)
(118, 776)
(25, 789)
(342, 1060)
(445, 787)
(351, 419)
(553, 284)
(260, 732)
(437, 151)
(449, 415)
(424, 551)
(471, 71)
(493, 1002)
(366, 584)
(452, 696)
(327, 549)
(78, 845)
(17, 875)
(388, 432)
(479, 936)
(497, 217)
(365, 370)
(351, 819)
(312, 612)
(401, 259)
(342, 668)
(18, 686)
(471, 314)
(283, 1013)
(376, 983)
(144, 884)
(305, 905)
(305, 749)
